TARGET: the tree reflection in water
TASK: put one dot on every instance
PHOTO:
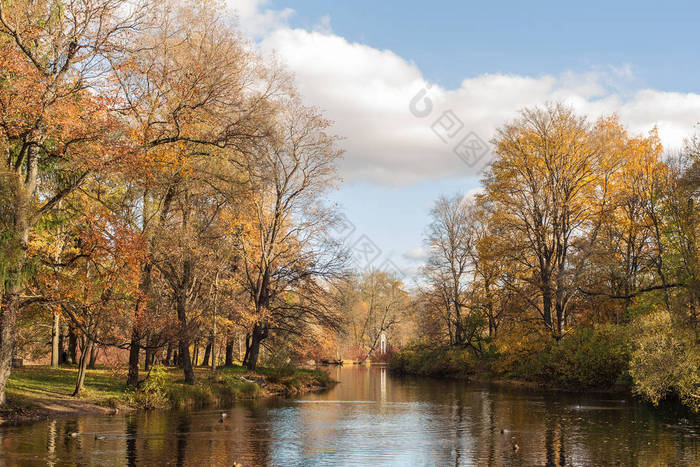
(373, 417)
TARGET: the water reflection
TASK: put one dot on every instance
(372, 418)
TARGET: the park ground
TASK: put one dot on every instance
(39, 392)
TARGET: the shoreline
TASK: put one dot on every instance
(25, 405)
(15, 414)
(516, 383)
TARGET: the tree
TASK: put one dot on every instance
(54, 129)
(192, 90)
(284, 244)
(374, 303)
(449, 242)
(91, 276)
(549, 189)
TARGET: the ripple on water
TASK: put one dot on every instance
(371, 419)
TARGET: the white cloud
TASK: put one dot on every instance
(470, 195)
(367, 92)
(255, 20)
(416, 254)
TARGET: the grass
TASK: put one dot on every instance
(42, 386)
(42, 383)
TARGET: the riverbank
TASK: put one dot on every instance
(38, 392)
(588, 360)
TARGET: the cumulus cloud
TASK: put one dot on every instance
(255, 20)
(368, 93)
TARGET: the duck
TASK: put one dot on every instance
(74, 434)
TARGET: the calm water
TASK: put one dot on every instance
(372, 418)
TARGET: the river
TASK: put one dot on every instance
(372, 418)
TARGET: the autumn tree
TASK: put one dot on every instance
(54, 127)
(284, 245)
(193, 89)
(449, 243)
(550, 188)
(488, 290)
(375, 304)
(91, 276)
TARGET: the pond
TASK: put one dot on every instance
(373, 418)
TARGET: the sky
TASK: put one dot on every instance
(417, 90)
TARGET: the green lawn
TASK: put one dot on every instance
(35, 385)
(43, 382)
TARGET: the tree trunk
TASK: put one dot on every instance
(87, 348)
(55, 335)
(260, 332)
(62, 355)
(184, 339)
(213, 326)
(133, 378)
(229, 352)
(23, 187)
(8, 317)
(147, 359)
(135, 344)
(247, 350)
(195, 354)
(72, 346)
(547, 306)
(207, 353)
(94, 351)
(169, 354)
(154, 355)
(252, 362)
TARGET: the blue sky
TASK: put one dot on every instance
(450, 40)
(362, 62)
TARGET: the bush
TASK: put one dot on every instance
(278, 374)
(665, 361)
(588, 358)
(516, 346)
(232, 388)
(585, 359)
(249, 389)
(153, 393)
(426, 360)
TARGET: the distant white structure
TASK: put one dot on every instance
(382, 383)
(382, 343)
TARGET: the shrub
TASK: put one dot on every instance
(153, 393)
(185, 395)
(249, 389)
(585, 359)
(665, 361)
(516, 347)
(232, 388)
(322, 378)
(278, 374)
(424, 359)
